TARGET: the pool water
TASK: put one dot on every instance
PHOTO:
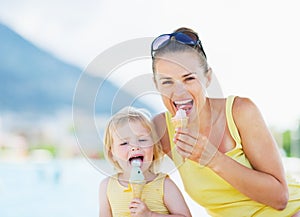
(55, 188)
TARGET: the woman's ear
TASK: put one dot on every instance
(208, 76)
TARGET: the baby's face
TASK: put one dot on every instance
(132, 141)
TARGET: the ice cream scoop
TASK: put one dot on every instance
(137, 180)
(180, 120)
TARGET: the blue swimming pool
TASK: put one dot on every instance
(61, 188)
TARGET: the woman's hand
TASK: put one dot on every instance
(194, 146)
(138, 208)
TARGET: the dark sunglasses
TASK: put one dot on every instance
(188, 38)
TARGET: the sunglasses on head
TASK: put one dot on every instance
(188, 38)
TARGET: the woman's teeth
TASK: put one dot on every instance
(184, 104)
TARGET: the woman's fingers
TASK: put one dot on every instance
(185, 132)
(198, 149)
(182, 150)
(188, 146)
(188, 139)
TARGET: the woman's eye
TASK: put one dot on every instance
(190, 78)
(166, 82)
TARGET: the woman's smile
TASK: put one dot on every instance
(186, 105)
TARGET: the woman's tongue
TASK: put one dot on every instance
(186, 107)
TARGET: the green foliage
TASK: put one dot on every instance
(101, 155)
(49, 147)
(286, 142)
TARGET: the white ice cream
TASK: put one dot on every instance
(180, 114)
(136, 174)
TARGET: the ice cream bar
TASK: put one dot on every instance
(180, 120)
(137, 179)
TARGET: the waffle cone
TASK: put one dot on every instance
(180, 123)
(137, 189)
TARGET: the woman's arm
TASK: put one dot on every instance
(266, 182)
(104, 206)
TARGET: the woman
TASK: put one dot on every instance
(226, 156)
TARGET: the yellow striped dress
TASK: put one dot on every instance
(119, 197)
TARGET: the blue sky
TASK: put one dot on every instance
(252, 46)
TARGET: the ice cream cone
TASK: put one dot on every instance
(180, 120)
(137, 189)
(180, 123)
(137, 180)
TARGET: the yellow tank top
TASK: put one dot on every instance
(119, 198)
(216, 195)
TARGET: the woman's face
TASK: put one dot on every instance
(132, 141)
(179, 78)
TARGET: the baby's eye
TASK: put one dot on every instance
(143, 140)
(124, 143)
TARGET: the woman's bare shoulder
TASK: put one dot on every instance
(245, 111)
(243, 105)
(159, 118)
(161, 129)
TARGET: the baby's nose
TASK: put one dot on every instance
(135, 148)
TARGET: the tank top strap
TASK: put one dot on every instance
(177, 159)
(230, 121)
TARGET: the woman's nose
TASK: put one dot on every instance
(179, 88)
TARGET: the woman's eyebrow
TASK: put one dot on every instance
(164, 77)
(186, 75)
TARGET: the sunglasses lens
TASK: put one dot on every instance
(192, 35)
(185, 39)
(160, 42)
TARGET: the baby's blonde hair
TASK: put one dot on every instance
(124, 116)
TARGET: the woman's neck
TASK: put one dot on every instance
(208, 116)
(203, 120)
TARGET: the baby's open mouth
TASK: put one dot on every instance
(136, 158)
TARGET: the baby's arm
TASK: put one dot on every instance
(174, 200)
(104, 206)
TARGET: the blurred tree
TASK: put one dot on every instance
(286, 142)
(295, 146)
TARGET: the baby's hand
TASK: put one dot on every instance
(139, 209)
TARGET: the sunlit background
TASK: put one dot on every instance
(46, 46)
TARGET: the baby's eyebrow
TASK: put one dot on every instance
(123, 138)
